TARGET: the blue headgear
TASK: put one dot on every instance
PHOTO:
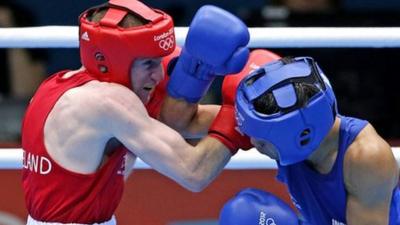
(295, 131)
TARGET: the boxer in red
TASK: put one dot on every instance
(84, 128)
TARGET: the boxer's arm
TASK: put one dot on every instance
(125, 118)
(371, 174)
(189, 119)
(203, 57)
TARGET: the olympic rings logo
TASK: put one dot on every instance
(270, 221)
(263, 220)
(167, 43)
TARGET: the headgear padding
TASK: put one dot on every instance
(296, 131)
(108, 50)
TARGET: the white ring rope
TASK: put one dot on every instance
(252, 159)
(316, 37)
(67, 37)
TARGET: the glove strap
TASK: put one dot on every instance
(183, 85)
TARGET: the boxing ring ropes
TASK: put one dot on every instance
(354, 37)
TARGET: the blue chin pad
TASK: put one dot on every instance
(285, 96)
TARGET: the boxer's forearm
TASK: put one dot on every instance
(191, 120)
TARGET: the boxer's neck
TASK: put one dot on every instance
(323, 159)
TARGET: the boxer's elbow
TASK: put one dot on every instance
(198, 174)
(196, 182)
(195, 188)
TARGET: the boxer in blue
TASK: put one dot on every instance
(338, 170)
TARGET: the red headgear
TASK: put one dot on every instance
(108, 50)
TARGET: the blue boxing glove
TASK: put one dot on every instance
(254, 206)
(215, 45)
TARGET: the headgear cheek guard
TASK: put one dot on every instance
(295, 131)
(108, 50)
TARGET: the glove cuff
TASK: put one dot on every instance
(224, 140)
(223, 128)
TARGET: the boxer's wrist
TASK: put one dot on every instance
(224, 128)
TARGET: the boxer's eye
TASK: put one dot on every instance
(151, 63)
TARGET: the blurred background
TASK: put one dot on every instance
(364, 80)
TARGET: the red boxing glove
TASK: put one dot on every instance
(224, 127)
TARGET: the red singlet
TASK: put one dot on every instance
(52, 193)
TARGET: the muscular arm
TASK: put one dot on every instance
(190, 120)
(371, 174)
(160, 146)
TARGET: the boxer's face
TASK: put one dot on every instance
(265, 147)
(146, 73)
